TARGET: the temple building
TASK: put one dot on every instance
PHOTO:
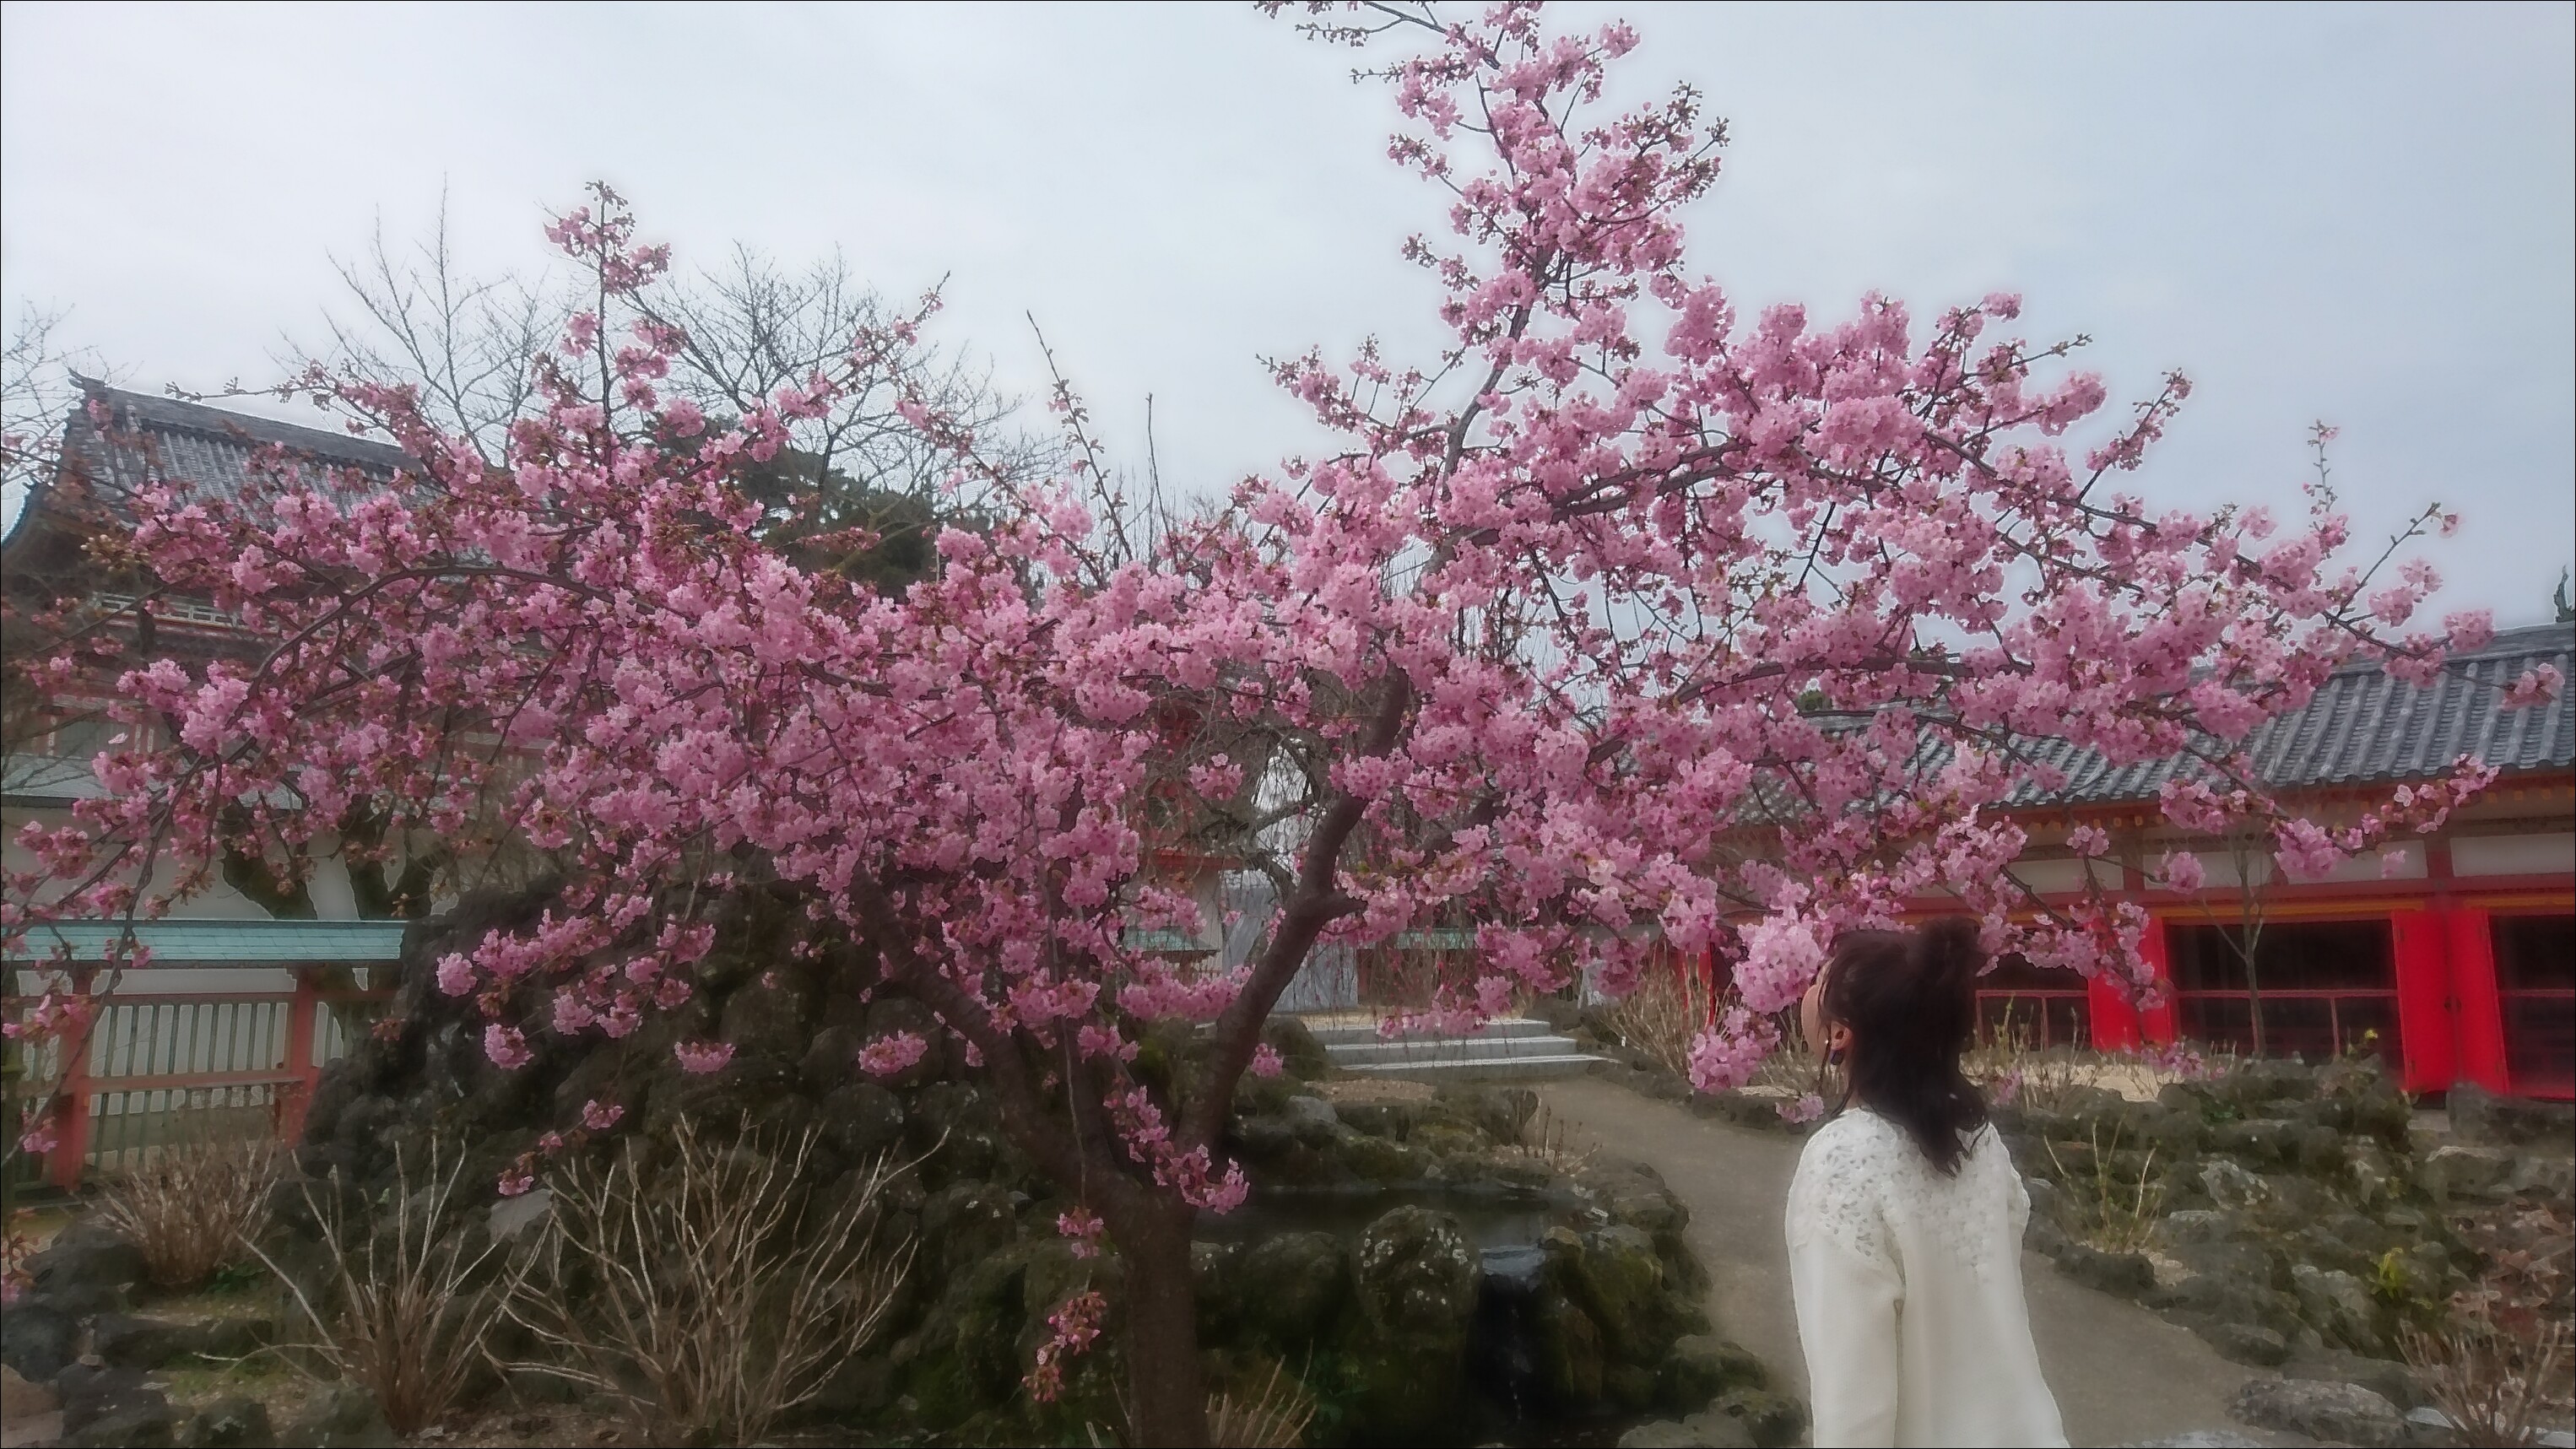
(2453, 954)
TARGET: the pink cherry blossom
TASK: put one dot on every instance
(507, 1049)
(1083, 1228)
(2181, 870)
(702, 1057)
(2534, 687)
(893, 1054)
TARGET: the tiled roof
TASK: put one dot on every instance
(227, 942)
(2363, 727)
(204, 451)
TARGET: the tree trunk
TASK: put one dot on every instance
(1166, 1398)
(2253, 944)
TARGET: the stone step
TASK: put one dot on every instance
(1447, 1049)
(1566, 1064)
(1359, 1033)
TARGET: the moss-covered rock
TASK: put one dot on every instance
(1288, 1289)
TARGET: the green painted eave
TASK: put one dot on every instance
(223, 943)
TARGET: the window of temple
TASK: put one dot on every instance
(2535, 966)
(2325, 987)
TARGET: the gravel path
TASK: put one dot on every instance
(2121, 1374)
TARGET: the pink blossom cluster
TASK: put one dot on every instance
(1071, 1328)
(893, 1054)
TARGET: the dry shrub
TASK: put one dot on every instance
(714, 1296)
(1274, 1417)
(2012, 1066)
(1790, 1071)
(2498, 1366)
(407, 1319)
(2494, 1388)
(2116, 1211)
(1667, 1009)
(191, 1205)
(1553, 1142)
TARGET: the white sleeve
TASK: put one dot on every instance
(1848, 1293)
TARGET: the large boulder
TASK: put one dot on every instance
(963, 1223)
(87, 1267)
(1298, 1049)
(1570, 1357)
(2231, 1186)
(2339, 1306)
(114, 1406)
(2479, 1118)
(1286, 1289)
(2473, 1174)
(2336, 1413)
(1417, 1280)
(128, 1340)
(1310, 1119)
(1377, 1159)
(862, 1120)
(229, 1423)
(964, 1356)
(2261, 1142)
(1615, 1275)
(38, 1340)
(2245, 1343)
(1417, 1274)
(1702, 1367)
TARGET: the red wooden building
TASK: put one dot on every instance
(2456, 959)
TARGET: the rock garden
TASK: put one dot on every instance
(786, 1249)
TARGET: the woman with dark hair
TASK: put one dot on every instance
(1905, 1217)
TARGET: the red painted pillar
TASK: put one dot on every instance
(71, 1112)
(2115, 1017)
(2124, 1025)
(2477, 1013)
(300, 1011)
(2424, 1030)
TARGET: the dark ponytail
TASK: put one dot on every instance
(1910, 999)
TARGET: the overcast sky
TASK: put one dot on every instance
(2360, 214)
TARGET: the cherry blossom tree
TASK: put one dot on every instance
(1526, 651)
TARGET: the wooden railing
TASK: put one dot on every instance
(159, 1065)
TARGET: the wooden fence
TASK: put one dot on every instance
(164, 1064)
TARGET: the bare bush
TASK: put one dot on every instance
(712, 1296)
(2115, 1209)
(1661, 1016)
(1273, 1417)
(192, 1204)
(1791, 1071)
(406, 1319)
(1553, 1142)
(2493, 1388)
(2013, 1066)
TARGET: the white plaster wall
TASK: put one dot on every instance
(2514, 855)
(2373, 865)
